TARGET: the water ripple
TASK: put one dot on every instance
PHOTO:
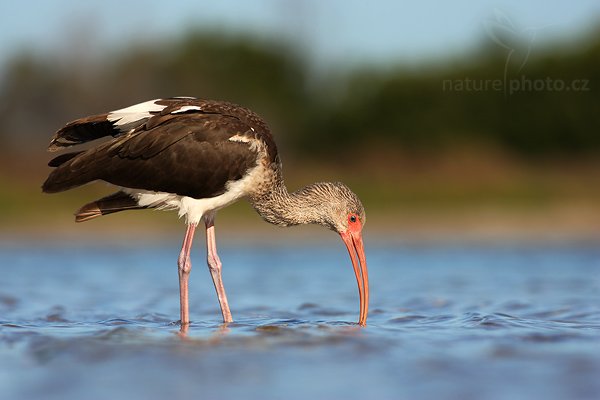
(444, 323)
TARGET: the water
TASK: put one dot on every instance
(446, 322)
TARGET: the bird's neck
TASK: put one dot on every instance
(279, 207)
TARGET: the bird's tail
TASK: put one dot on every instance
(119, 201)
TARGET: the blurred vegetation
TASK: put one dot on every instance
(420, 108)
(453, 132)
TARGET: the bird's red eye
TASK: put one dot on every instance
(352, 218)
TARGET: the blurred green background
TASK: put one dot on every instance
(477, 120)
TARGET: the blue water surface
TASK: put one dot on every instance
(447, 321)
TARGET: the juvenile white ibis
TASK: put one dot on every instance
(198, 156)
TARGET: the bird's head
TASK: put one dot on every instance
(342, 211)
(334, 206)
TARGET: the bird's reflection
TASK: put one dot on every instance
(217, 335)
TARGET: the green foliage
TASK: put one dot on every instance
(549, 107)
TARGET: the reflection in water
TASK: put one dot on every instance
(446, 322)
(218, 333)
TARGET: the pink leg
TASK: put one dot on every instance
(184, 267)
(214, 266)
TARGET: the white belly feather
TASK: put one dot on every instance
(194, 209)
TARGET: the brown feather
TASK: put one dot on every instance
(116, 202)
(184, 149)
(190, 155)
(63, 158)
(81, 131)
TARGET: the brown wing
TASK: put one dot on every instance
(149, 114)
(188, 154)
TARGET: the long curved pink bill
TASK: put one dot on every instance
(354, 244)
